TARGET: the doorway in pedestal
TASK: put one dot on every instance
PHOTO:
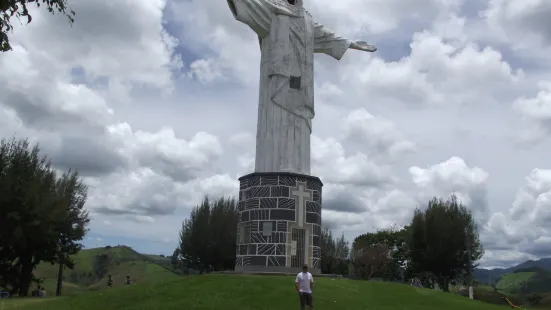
(297, 247)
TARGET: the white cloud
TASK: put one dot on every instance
(163, 151)
(379, 16)
(536, 111)
(376, 134)
(205, 70)
(133, 49)
(523, 229)
(533, 201)
(437, 72)
(520, 22)
(332, 164)
(454, 176)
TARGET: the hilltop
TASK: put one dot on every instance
(93, 265)
(525, 281)
(241, 292)
(529, 277)
(489, 275)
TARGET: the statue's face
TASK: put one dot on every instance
(292, 2)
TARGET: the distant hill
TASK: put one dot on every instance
(93, 265)
(513, 282)
(488, 276)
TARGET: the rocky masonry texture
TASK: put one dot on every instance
(269, 214)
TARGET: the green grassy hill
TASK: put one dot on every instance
(526, 281)
(93, 265)
(514, 281)
(227, 292)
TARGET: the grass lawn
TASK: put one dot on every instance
(241, 292)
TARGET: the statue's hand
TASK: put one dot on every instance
(363, 46)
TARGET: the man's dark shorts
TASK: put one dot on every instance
(306, 299)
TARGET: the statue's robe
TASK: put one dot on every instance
(288, 37)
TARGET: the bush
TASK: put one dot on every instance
(534, 299)
(101, 263)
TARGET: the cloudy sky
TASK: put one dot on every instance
(155, 102)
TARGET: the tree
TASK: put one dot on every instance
(175, 259)
(42, 217)
(19, 8)
(534, 299)
(438, 241)
(208, 237)
(371, 261)
(72, 193)
(334, 253)
(394, 240)
(327, 251)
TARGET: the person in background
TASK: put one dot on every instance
(40, 292)
(128, 281)
(109, 281)
(304, 284)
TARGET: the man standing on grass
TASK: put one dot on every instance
(304, 285)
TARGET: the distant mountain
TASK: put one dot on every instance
(492, 275)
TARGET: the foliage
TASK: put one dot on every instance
(175, 258)
(19, 8)
(334, 253)
(232, 292)
(208, 237)
(101, 265)
(42, 216)
(381, 254)
(534, 299)
(438, 241)
(371, 261)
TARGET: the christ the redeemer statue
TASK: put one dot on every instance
(280, 204)
(289, 37)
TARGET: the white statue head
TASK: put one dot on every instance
(296, 2)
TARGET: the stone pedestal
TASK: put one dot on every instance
(279, 223)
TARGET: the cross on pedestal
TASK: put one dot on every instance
(301, 196)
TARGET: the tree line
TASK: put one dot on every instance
(440, 245)
(42, 215)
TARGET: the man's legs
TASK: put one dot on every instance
(302, 300)
(306, 300)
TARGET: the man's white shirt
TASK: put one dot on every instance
(303, 280)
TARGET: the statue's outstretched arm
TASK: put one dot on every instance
(362, 46)
(257, 14)
(326, 41)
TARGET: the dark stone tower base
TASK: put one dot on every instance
(279, 223)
